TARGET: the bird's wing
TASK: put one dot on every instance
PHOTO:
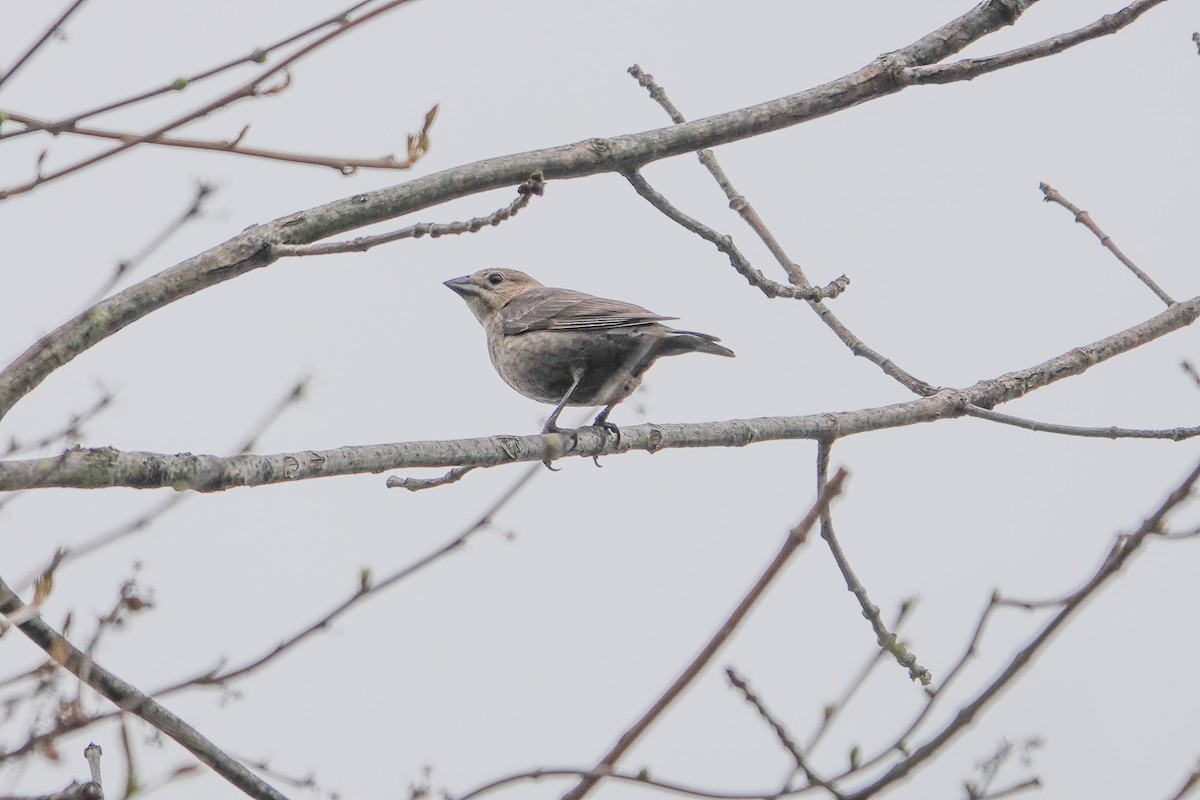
(547, 309)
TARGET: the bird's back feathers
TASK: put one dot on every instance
(547, 309)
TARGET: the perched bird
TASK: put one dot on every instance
(570, 348)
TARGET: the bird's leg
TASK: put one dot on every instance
(576, 376)
(551, 426)
(619, 382)
(601, 421)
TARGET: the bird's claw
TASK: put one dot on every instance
(611, 427)
(607, 427)
(574, 442)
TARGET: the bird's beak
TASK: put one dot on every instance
(462, 286)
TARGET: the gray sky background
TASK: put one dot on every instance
(545, 638)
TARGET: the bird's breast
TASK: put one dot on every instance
(539, 364)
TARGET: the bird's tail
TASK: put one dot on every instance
(693, 342)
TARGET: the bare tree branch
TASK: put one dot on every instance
(45, 37)
(886, 640)
(1123, 549)
(347, 165)
(970, 68)
(222, 675)
(780, 732)
(1110, 432)
(1085, 219)
(251, 88)
(525, 192)
(99, 467)
(130, 699)
(258, 55)
(622, 154)
(725, 244)
(125, 266)
(795, 273)
(623, 777)
(794, 540)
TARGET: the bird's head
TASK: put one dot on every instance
(489, 290)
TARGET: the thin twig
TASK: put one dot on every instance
(1111, 432)
(796, 537)
(989, 769)
(725, 244)
(900, 743)
(417, 484)
(126, 266)
(45, 37)
(222, 676)
(70, 433)
(1123, 549)
(347, 165)
(1191, 372)
(146, 518)
(780, 732)
(525, 192)
(886, 639)
(624, 777)
(739, 204)
(1015, 789)
(969, 68)
(251, 88)
(834, 709)
(1085, 219)
(367, 587)
(736, 200)
(258, 55)
(128, 698)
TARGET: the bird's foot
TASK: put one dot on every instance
(550, 427)
(611, 427)
(608, 427)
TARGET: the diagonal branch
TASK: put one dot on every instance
(802, 287)
(622, 154)
(887, 640)
(223, 675)
(258, 55)
(251, 88)
(130, 699)
(796, 538)
(781, 733)
(1122, 551)
(1085, 219)
(45, 37)
(725, 244)
(970, 68)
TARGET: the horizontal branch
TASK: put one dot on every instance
(1109, 432)
(104, 467)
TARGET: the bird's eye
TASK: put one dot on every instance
(495, 279)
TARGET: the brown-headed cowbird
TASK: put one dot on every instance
(570, 348)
